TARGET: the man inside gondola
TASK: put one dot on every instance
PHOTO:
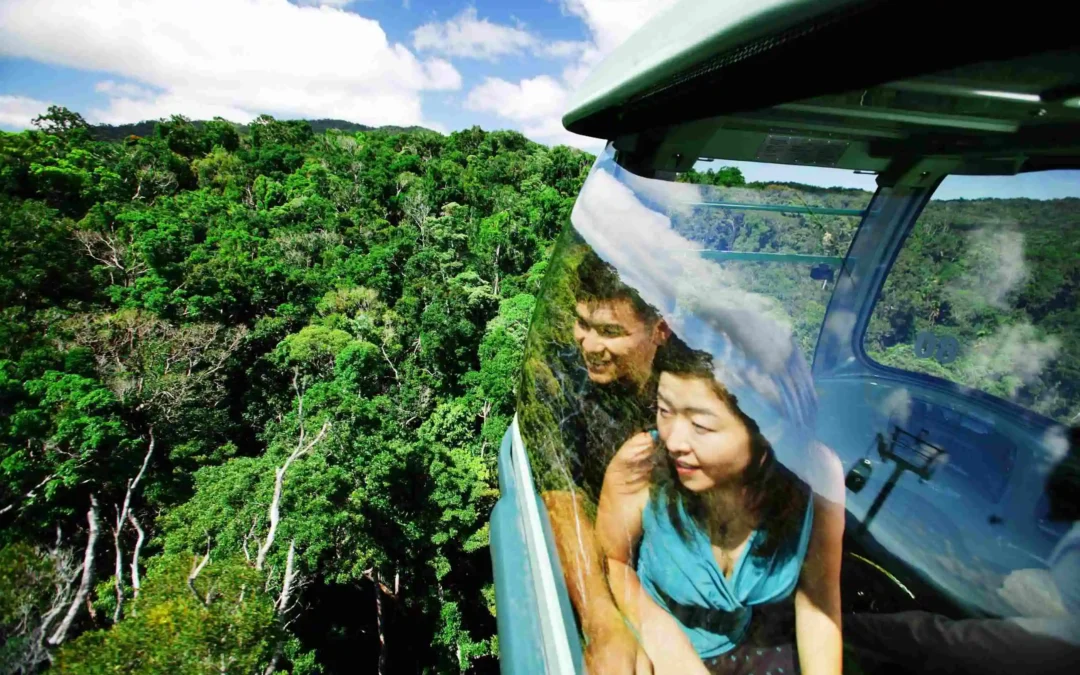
(607, 392)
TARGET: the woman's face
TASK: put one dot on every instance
(709, 444)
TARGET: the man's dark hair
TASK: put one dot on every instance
(598, 281)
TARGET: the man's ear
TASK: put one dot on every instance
(661, 332)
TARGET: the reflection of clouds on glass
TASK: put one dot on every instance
(650, 256)
(630, 236)
(1016, 354)
(897, 406)
(1055, 445)
(941, 558)
(997, 269)
(707, 304)
(671, 197)
(1032, 592)
(839, 324)
(756, 323)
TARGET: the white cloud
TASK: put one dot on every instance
(999, 270)
(237, 58)
(526, 100)
(612, 21)
(324, 3)
(124, 108)
(467, 35)
(563, 49)
(125, 89)
(536, 105)
(17, 112)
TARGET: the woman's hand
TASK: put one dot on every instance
(631, 467)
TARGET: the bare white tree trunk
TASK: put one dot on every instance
(287, 582)
(121, 516)
(135, 584)
(118, 568)
(379, 622)
(87, 576)
(34, 652)
(302, 449)
(272, 666)
(196, 569)
(282, 604)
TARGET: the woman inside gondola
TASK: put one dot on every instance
(709, 557)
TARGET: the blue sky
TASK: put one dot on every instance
(1042, 185)
(447, 65)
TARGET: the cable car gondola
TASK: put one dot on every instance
(853, 224)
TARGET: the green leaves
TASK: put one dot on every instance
(178, 281)
(222, 621)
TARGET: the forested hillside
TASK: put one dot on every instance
(253, 380)
(251, 391)
(119, 132)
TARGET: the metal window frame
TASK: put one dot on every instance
(537, 631)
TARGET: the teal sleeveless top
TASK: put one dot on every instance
(682, 576)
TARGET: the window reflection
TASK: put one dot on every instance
(691, 445)
(719, 527)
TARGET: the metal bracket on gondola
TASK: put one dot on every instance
(908, 452)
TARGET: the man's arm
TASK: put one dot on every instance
(618, 529)
(611, 646)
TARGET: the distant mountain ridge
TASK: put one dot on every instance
(109, 132)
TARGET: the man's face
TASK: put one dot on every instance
(615, 341)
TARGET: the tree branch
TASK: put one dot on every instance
(30, 493)
(249, 535)
(87, 575)
(118, 569)
(121, 516)
(391, 363)
(196, 569)
(279, 484)
(287, 582)
(135, 584)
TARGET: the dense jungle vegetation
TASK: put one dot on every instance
(253, 381)
(257, 381)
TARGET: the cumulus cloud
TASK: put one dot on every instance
(562, 49)
(526, 100)
(17, 112)
(469, 36)
(612, 21)
(897, 406)
(237, 58)
(122, 89)
(536, 105)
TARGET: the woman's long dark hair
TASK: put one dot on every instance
(776, 496)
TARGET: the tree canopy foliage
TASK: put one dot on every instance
(255, 379)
